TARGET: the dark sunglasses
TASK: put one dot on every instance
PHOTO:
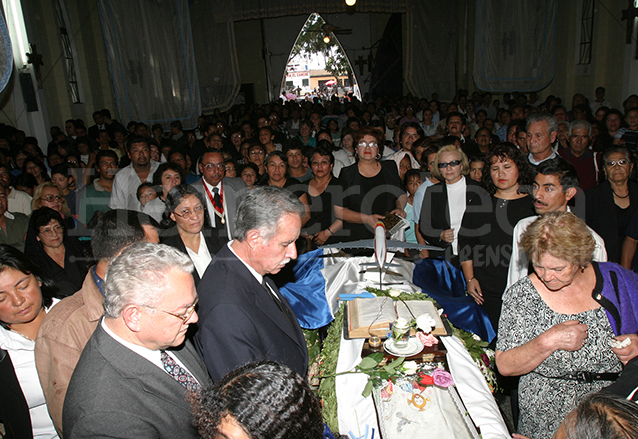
(453, 163)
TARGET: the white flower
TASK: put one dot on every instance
(476, 337)
(401, 322)
(425, 322)
(394, 292)
(410, 367)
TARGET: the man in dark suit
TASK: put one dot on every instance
(134, 374)
(243, 317)
(222, 194)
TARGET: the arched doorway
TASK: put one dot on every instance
(318, 65)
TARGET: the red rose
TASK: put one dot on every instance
(426, 380)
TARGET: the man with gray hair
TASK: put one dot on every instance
(585, 161)
(68, 327)
(243, 317)
(135, 372)
(542, 129)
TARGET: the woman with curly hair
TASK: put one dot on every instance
(260, 400)
(485, 238)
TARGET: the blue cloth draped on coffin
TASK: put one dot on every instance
(302, 283)
(445, 283)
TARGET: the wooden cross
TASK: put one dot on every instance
(35, 59)
(361, 62)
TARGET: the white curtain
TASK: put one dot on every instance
(217, 65)
(515, 44)
(152, 61)
(431, 47)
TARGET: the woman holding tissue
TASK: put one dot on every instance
(566, 329)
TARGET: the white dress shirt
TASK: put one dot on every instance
(125, 184)
(202, 258)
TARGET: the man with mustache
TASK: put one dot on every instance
(554, 185)
(242, 315)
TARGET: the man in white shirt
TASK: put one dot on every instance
(556, 183)
(135, 372)
(128, 179)
(222, 194)
(18, 201)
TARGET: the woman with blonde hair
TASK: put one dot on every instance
(568, 328)
(49, 194)
(444, 203)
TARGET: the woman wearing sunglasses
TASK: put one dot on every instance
(485, 238)
(444, 203)
(610, 205)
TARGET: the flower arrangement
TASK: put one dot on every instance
(377, 369)
(482, 355)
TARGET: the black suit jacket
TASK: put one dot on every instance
(600, 215)
(115, 392)
(435, 214)
(239, 321)
(213, 242)
(234, 190)
(14, 410)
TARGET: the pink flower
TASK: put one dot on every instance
(427, 339)
(442, 378)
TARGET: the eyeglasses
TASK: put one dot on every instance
(187, 314)
(50, 198)
(213, 165)
(621, 162)
(57, 230)
(368, 145)
(453, 163)
(256, 153)
(187, 213)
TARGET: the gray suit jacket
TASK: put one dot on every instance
(115, 393)
(234, 190)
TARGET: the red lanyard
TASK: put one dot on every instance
(219, 209)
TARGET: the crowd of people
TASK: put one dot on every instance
(533, 201)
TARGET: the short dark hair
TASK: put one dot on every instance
(106, 153)
(26, 180)
(414, 125)
(136, 139)
(62, 169)
(505, 151)
(457, 114)
(266, 399)
(561, 168)
(324, 152)
(176, 195)
(115, 230)
(157, 176)
(11, 257)
(292, 144)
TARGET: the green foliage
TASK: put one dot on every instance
(310, 43)
(330, 355)
(312, 343)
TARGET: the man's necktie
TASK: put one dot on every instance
(180, 374)
(278, 302)
(218, 201)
